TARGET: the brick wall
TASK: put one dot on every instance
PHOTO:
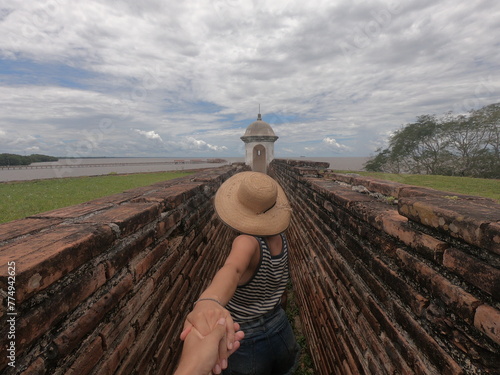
(103, 287)
(391, 278)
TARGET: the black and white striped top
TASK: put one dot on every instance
(264, 290)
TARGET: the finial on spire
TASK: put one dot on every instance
(259, 117)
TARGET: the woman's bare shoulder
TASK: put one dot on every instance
(245, 240)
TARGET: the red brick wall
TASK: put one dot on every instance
(103, 287)
(388, 286)
(412, 287)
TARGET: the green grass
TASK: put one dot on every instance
(21, 199)
(306, 366)
(481, 187)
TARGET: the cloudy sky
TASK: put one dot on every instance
(185, 78)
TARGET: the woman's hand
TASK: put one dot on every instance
(202, 352)
(204, 318)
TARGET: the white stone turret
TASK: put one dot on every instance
(259, 141)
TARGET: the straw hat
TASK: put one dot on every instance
(253, 203)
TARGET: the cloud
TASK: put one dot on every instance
(197, 144)
(329, 76)
(334, 145)
(149, 134)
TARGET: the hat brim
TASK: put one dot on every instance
(244, 219)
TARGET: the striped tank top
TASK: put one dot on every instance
(264, 290)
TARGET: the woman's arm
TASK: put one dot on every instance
(244, 249)
(224, 284)
(206, 311)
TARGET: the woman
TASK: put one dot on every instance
(249, 286)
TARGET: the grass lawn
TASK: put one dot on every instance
(25, 198)
(481, 187)
(21, 199)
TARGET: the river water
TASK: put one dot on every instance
(86, 167)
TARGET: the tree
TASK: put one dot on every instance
(467, 145)
(13, 159)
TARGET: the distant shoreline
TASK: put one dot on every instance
(65, 167)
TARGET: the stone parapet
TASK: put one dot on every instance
(393, 278)
(103, 287)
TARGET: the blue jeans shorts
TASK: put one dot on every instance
(269, 347)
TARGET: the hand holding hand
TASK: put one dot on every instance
(204, 317)
(200, 354)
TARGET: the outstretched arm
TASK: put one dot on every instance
(210, 306)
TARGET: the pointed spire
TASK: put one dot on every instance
(259, 117)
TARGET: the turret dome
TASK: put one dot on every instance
(259, 128)
(259, 131)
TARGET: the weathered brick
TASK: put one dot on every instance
(126, 251)
(458, 300)
(148, 259)
(168, 333)
(409, 191)
(426, 343)
(70, 250)
(170, 223)
(395, 357)
(462, 217)
(46, 257)
(397, 226)
(171, 339)
(414, 300)
(73, 212)
(388, 188)
(169, 197)
(118, 352)
(140, 346)
(487, 320)
(340, 177)
(116, 199)
(39, 319)
(88, 358)
(490, 237)
(197, 269)
(343, 196)
(349, 352)
(375, 286)
(172, 301)
(160, 292)
(67, 340)
(473, 270)
(36, 368)
(370, 212)
(128, 217)
(128, 312)
(23, 227)
(179, 266)
(404, 347)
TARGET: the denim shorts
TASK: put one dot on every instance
(269, 347)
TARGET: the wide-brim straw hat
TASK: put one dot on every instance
(253, 203)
